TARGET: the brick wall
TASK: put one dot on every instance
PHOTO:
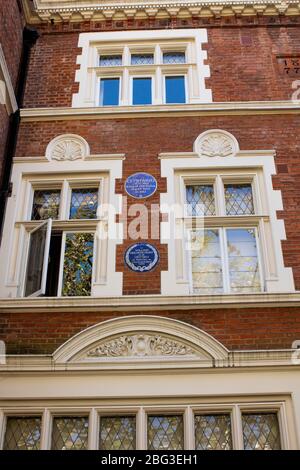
(241, 329)
(11, 29)
(250, 72)
(143, 139)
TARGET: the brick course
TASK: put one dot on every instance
(240, 329)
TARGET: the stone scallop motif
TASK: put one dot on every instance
(67, 147)
(216, 143)
(141, 345)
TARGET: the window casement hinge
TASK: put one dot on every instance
(7, 192)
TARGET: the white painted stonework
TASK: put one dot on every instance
(67, 147)
(7, 94)
(217, 151)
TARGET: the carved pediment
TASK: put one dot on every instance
(141, 345)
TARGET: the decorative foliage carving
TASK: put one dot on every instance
(67, 147)
(216, 143)
(141, 345)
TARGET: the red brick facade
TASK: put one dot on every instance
(245, 64)
(11, 29)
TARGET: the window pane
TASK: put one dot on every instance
(142, 59)
(70, 433)
(261, 431)
(174, 57)
(213, 432)
(110, 60)
(239, 199)
(78, 264)
(243, 260)
(165, 432)
(22, 434)
(206, 262)
(45, 204)
(84, 203)
(200, 200)
(142, 91)
(109, 91)
(117, 433)
(35, 260)
(175, 90)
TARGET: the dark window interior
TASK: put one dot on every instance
(53, 264)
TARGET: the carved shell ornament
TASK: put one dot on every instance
(216, 143)
(141, 345)
(67, 147)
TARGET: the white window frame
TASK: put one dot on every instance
(234, 165)
(188, 410)
(126, 43)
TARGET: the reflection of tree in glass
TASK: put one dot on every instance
(78, 264)
(45, 205)
(84, 204)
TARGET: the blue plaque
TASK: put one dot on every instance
(140, 185)
(141, 257)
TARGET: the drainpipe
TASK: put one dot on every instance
(29, 38)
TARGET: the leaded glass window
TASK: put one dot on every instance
(45, 204)
(22, 433)
(243, 260)
(165, 432)
(78, 264)
(239, 199)
(213, 432)
(84, 203)
(200, 200)
(174, 57)
(70, 433)
(261, 431)
(206, 262)
(110, 60)
(117, 433)
(142, 59)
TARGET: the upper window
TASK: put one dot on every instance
(116, 68)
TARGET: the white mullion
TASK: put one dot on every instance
(237, 429)
(61, 265)
(189, 434)
(93, 441)
(141, 429)
(283, 427)
(2, 428)
(219, 196)
(65, 201)
(224, 258)
(188, 250)
(45, 443)
(259, 238)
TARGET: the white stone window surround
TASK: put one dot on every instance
(39, 173)
(7, 94)
(187, 408)
(127, 42)
(236, 165)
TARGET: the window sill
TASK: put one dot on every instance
(149, 302)
(222, 108)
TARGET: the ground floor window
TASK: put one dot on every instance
(235, 426)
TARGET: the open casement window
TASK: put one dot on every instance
(37, 260)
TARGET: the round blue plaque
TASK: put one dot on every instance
(141, 257)
(140, 185)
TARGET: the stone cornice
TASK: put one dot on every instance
(205, 109)
(147, 302)
(97, 10)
